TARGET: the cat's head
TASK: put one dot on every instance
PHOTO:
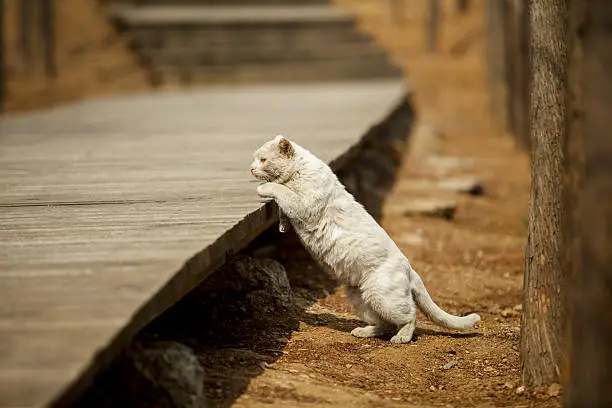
(275, 160)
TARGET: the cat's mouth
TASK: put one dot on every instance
(260, 177)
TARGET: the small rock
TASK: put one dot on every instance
(508, 385)
(509, 313)
(173, 367)
(449, 365)
(433, 388)
(518, 308)
(554, 390)
(504, 360)
(489, 369)
(429, 208)
(466, 186)
(349, 366)
(456, 185)
(520, 390)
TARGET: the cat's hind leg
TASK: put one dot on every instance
(397, 312)
(388, 294)
(376, 325)
(404, 334)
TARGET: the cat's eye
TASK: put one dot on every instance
(262, 160)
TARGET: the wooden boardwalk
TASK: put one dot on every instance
(111, 210)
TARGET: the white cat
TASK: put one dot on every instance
(342, 236)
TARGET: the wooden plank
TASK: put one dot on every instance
(155, 15)
(111, 210)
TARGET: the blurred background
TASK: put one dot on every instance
(57, 51)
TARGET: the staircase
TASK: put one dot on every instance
(187, 42)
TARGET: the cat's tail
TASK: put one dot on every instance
(434, 312)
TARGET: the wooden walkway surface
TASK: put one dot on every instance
(111, 210)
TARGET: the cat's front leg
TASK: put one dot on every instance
(287, 200)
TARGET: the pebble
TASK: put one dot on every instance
(509, 313)
(433, 388)
(520, 390)
(449, 365)
(429, 208)
(554, 390)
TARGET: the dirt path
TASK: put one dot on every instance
(473, 262)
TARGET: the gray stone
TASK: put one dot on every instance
(449, 365)
(463, 185)
(427, 207)
(466, 185)
(262, 283)
(173, 367)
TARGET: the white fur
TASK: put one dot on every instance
(342, 236)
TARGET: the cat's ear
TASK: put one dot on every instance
(285, 147)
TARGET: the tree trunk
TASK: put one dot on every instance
(522, 76)
(574, 165)
(590, 382)
(543, 303)
(496, 60)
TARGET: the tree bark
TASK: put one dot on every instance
(590, 149)
(542, 328)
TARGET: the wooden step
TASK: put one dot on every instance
(221, 2)
(246, 55)
(289, 71)
(189, 41)
(222, 15)
(247, 35)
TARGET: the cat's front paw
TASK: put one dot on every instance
(282, 227)
(265, 190)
